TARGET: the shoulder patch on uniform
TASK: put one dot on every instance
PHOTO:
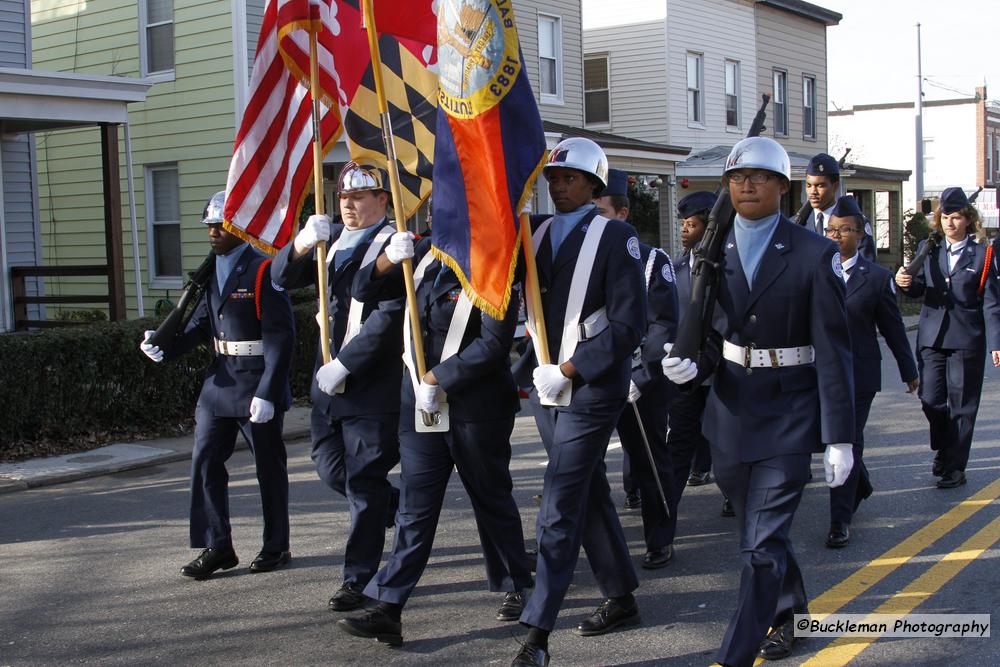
(838, 268)
(633, 247)
(277, 287)
(668, 271)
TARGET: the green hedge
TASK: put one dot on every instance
(81, 385)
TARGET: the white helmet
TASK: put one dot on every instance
(759, 153)
(213, 213)
(580, 154)
(356, 177)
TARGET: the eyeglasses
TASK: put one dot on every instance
(756, 177)
(839, 231)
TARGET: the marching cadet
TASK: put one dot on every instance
(960, 316)
(649, 390)
(355, 415)
(689, 451)
(594, 305)
(871, 305)
(783, 388)
(249, 322)
(468, 356)
(822, 186)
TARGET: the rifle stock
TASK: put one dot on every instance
(178, 318)
(697, 321)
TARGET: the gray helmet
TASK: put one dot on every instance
(580, 154)
(759, 153)
(213, 213)
(356, 177)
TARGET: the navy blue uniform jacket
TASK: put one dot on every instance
(231, 382)
(662, 317)
(954, 315)
(871, 303)
(477, 379)
(373, 356)
(797, 299)
(603, 363)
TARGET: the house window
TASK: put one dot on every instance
(156, 36)
(989, 157)
(695, 80)
(883, 216)
(732, 94)
(163, 222)
(996, 154)
(597, 93)
(550, 58)
(780, 102)
(809, 107)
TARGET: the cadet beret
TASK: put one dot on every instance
(823, 165)
(617, 184)
(953, 200)
(847, 206)
(695, 203)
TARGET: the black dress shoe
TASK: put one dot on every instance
(727, 508)
(633, 501)
(699, 478)
(839, 537)
(266, 561)
(348, 598)
(607, 617)
(950, 480)
(657, 558)
(937, 468)
(376, 625)
(513, 605)
(210, 560)
(779, 641)
(531, 656)
(537, 499)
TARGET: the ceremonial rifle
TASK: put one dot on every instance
(697, 320)
(179, 317)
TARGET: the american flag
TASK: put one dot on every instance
(271, 171)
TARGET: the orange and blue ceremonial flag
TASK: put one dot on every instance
(489, 148)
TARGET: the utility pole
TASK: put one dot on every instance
(919, 124)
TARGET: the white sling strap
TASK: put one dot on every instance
(578, 287)
(357, 307)
(456, 329)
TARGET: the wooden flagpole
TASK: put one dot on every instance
(397, 195)
(322, 282)
(533, 290)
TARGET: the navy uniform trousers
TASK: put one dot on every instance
(765, 423)
(958, 325)
(223, 409)
(576, 505)
(355, 441)
(482, 401)
(871, 305)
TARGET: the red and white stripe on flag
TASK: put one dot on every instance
(272, 166)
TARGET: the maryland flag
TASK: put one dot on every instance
(271, 170)
(490, 148)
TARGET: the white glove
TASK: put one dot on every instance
(428, 397)
(151, 351)
(316, 229)
(837, 462)
(261, 411)
(678, 371)
(549, 381)
(330, 376)
(633, 391)
(399, 247)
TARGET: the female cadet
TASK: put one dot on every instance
(961, 295)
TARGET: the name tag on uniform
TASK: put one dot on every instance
(971, 270)
(242, 293)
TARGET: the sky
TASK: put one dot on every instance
(872, 53)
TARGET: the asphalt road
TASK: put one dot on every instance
(90, 568)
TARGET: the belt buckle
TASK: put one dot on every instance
(774, 358)
(748, 356)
